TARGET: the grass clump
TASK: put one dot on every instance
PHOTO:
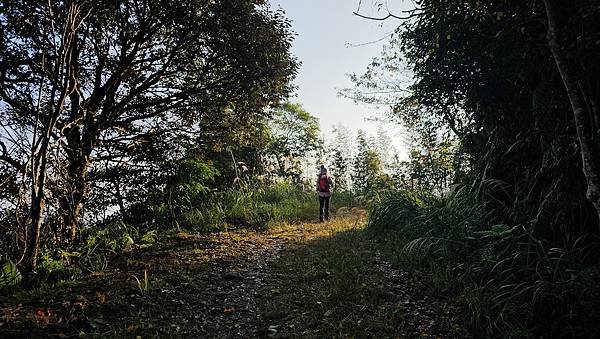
(509, 281)
(255, 208)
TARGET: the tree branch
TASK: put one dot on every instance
(389, 15)
(4, 156)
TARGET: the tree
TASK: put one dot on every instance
(367, 165)
(93, 83)
(430, 167)
(517, 82)
(383, 145)
(341, 155)
(487, 72)
(579, 82)
(339, 167)
(296, 134)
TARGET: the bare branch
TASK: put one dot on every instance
(409, 14)
(389, 15)
(4, 156)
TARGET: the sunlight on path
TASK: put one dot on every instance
(335, 282)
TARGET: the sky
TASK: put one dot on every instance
(332, 42)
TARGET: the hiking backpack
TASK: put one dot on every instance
(323, 183)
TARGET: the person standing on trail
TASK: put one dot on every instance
(325, 185)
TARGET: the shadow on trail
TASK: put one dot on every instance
(341, 285)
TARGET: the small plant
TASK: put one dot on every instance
(150, 237)
(143, 285)
(9, 274)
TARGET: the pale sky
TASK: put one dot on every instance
(327, 35)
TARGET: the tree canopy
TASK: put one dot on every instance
(295, 136)
(485, 73)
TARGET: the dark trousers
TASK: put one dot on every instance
(324, 207)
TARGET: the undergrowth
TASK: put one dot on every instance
(242, 207)
(252, 208)
(509, 282)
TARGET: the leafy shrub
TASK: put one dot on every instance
(103, 242)
(56, 266)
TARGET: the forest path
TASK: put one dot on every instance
(310, 280)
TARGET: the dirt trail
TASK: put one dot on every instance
(198, 286)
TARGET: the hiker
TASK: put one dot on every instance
(325, 185)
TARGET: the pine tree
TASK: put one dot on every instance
(340, 155)
(367, 165)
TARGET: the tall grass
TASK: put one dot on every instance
(256, 207)
(509, 282)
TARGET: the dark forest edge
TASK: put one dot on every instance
(515, 236)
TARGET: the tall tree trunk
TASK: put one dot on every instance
(64, 86)
(589, 138)
(37, 216)
(80, 134)
(71, 202)
(72, 199)
(39, 171)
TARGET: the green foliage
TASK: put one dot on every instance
(143, 285)
(252, 207)
(296, 130)
(367, 169)
(56, 266)
(346, 198)
(149, 237)
(339, 166)
(394, 209)
(155, 80)
(191, 179)
(431, 164)
(340, 157)
(9, 274)
(102, 243)
(509, 281)
(99, 246)
(114, 236)
(518, 247)
(295, 135)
